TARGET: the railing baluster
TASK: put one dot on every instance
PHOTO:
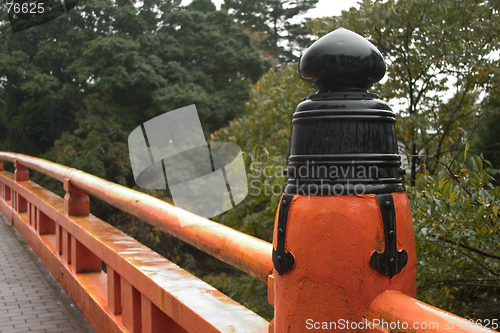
(30, 219)
(83, 260)
(59, 239)
(114, 291)
(131, 307)
(33, 216)
(15, 201)
(66, 240)
(44, 224)
(21, 174)
(77, 203)
(156, 321)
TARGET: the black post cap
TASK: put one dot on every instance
(343, 139)
(342, 61)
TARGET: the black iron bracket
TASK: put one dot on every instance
(391, 261)
(283, 261)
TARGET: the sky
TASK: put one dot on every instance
(323, 8)
(331, 7)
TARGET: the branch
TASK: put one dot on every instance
(452, 175)
(438, 130)
(425, 84)
(457, 281)
(478, 262)
(479, 285)
(458, 104)
(473, 249)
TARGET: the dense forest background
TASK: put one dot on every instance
(72, 90)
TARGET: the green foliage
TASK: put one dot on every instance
(457, 227)
(429, 46)
(272, 20)
(139, 61)
(488, 138)
(97, 146)
(489, 141)
(263, 135)
(204, 6)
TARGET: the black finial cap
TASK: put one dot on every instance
(342, 61)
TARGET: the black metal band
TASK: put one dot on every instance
(343, 143)
(342, 189)
(391, 261)
(283, 261)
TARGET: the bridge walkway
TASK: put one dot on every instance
(31, 300)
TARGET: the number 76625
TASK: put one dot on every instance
(25, 8)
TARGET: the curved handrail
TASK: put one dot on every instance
(396, 311)
(245, 252)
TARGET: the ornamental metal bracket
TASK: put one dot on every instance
(283, 261)
(391, 261)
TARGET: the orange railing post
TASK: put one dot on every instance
(76, 202)
(21, 174)
(343, 232)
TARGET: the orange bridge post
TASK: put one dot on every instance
(343, 233)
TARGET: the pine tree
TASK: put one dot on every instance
(272, 18)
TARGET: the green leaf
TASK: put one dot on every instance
(467, 147)
(441, 182)
(446, 190)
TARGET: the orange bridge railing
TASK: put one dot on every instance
(141, 291)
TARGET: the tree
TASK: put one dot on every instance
(138, 64)
(430, 46)
(272, 18)
(204, 6)
(488, 137)
(97, 146)
(488, 142)
(455, 212)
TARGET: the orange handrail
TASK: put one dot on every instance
(395, 311)
(247, 253)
